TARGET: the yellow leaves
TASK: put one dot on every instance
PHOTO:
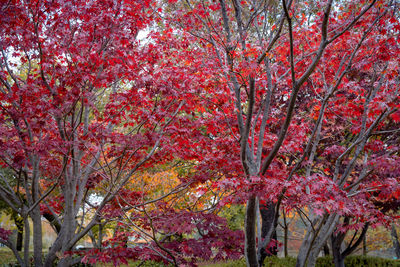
(316, 110)
(378, 238)
(164, 184)
(155, 183)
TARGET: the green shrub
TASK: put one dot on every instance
(279, 262)
(326, 261)
(357, 261)
(350, 261)
(147, 264)
(367, 261)
(237, 263)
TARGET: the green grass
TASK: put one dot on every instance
(7, 257)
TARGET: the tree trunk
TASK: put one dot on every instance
(338, 260)
(20, 237)
(285, 235)
(336, 241)
(100, 240)
(365, 245)
(302, 254)
(35, 214)
(57, 244)
(53, 222)
(19, 223)
(340, 254)
(67, 231)
(306, 246)
(37, 237)
(268, 232)
(396, 243)
(315, 239)
(27, 240)
(313, 255)
(70, 225)
(93, 239)
(250, 233)
(326, 249)
(268, 215)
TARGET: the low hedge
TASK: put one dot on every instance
(350, 261)
(356, 261)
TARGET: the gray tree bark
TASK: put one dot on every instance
(395, 239)
(37, 237)
(316, 237)
(285, 235)
(268, 225)
(250, 230)
(337, 242)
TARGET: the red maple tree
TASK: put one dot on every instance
(270, 103)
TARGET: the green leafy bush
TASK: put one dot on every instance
(237, 263)
(326, 261)
(350, 261)
(7, 259)
(279, 262)
(147, 264)
(368, 261)
(357, 261)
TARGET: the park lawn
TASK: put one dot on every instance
(6, 256)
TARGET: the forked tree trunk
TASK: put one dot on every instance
(316, 237)
(336, 241)
(338, 260)
(255, 255)
(69, 223)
